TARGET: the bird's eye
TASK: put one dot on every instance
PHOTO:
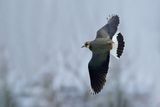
(86, 44)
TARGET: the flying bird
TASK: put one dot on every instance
(108, 41)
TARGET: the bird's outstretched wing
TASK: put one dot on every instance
(109, 29)
(98, 68)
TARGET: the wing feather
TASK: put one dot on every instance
(108, 30)
(98, 68)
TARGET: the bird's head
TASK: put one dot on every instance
(86, 44)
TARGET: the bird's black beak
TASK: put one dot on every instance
(83, 46)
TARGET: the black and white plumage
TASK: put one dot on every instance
(107, 41)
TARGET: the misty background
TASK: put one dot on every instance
(42, 63)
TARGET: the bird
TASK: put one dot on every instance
(108, 41)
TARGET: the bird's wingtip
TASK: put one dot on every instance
(111, 16)
(91, 91)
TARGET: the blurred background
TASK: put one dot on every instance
(42, 63)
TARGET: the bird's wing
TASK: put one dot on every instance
(109, 29)
(98, 68)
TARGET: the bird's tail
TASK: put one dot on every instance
(118, 45)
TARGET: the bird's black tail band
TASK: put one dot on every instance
(118, 45)
(121, 43)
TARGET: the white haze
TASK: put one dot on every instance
(42, 63)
